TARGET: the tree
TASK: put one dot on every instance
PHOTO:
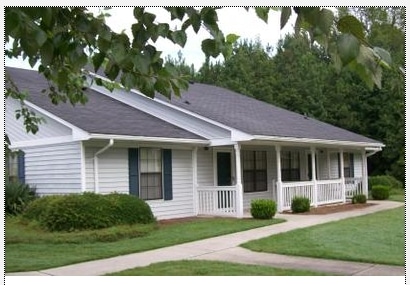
(65, 40)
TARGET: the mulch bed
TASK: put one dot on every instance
(330, 209)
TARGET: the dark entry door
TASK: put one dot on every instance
(224, 168)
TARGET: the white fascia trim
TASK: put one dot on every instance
(41, 142)
(78, 134)
(319, 141)
(236, 135)
(149, 139)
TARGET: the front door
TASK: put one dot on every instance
(224, 168)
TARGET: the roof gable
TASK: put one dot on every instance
(100, 115)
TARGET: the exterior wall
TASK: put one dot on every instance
(182, 204)
(54, 169)
(16, 130)
(113, 176)
(112, 170)
(323, 168)
(334, 165)
(205, 176)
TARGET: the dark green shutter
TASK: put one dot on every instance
(21, 166)
(167, 159)
(133, 171)
(351, 165)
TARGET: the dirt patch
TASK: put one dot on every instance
(330, 209)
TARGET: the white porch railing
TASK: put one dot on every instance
(293, 189)
(329, 191)
(354, 186)
(217, 200)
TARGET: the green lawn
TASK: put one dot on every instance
(211, 268)
(375, 238)
(29, 248)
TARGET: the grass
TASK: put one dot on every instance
(29, 248)
(211, 268)
(375, 238)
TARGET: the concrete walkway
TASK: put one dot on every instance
(226, 248)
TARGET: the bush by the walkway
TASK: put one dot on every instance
(263, 209)
(300, 205)
(359, 199)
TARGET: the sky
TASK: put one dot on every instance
(234, 20)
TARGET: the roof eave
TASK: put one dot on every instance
(369, 145)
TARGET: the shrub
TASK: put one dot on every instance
(385, 180)
(380, 192)
(17, 196)
(89, 211)
(359, 199)
(37, 208)
(300, 204)
(263, 209)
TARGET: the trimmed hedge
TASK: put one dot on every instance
(17, 197)
(89, 211)
(263, 209)
(300, 204)
(380, 192)
(359, 199)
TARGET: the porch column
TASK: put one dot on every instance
(279, 179)
(365, 186)
(342, 175)
(195, 179)
(239, 187)
(315, 194)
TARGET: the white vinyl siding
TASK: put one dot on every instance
(112, 170)
(182, 204)
(54, 169)
(205, 175)
(358, 165)
(322, 165)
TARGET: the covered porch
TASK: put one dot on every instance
(229, 178)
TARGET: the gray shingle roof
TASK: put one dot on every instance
(100, 115)
(256, 117)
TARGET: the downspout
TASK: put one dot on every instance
(96, 178)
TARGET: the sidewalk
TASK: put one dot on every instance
(226, 248)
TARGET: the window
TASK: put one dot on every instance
(255, 177)
(12, 168)
(348, 159)
(150, 174)
(290, 161)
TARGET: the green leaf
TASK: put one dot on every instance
(179, 37)
(325, 21)
(232, 38)
(384, 55)
(47, 53)
(163, 86)
(138, 12)
(148, 19)
(112, 70)
(163, 29)
(350, 24)
(209, 16)
(284, 16)
(195, 22)
(348, 48)
(210, 47)
(98, 59)
(141, 63)
(263, 13)
(40, 37)
(176, 12)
